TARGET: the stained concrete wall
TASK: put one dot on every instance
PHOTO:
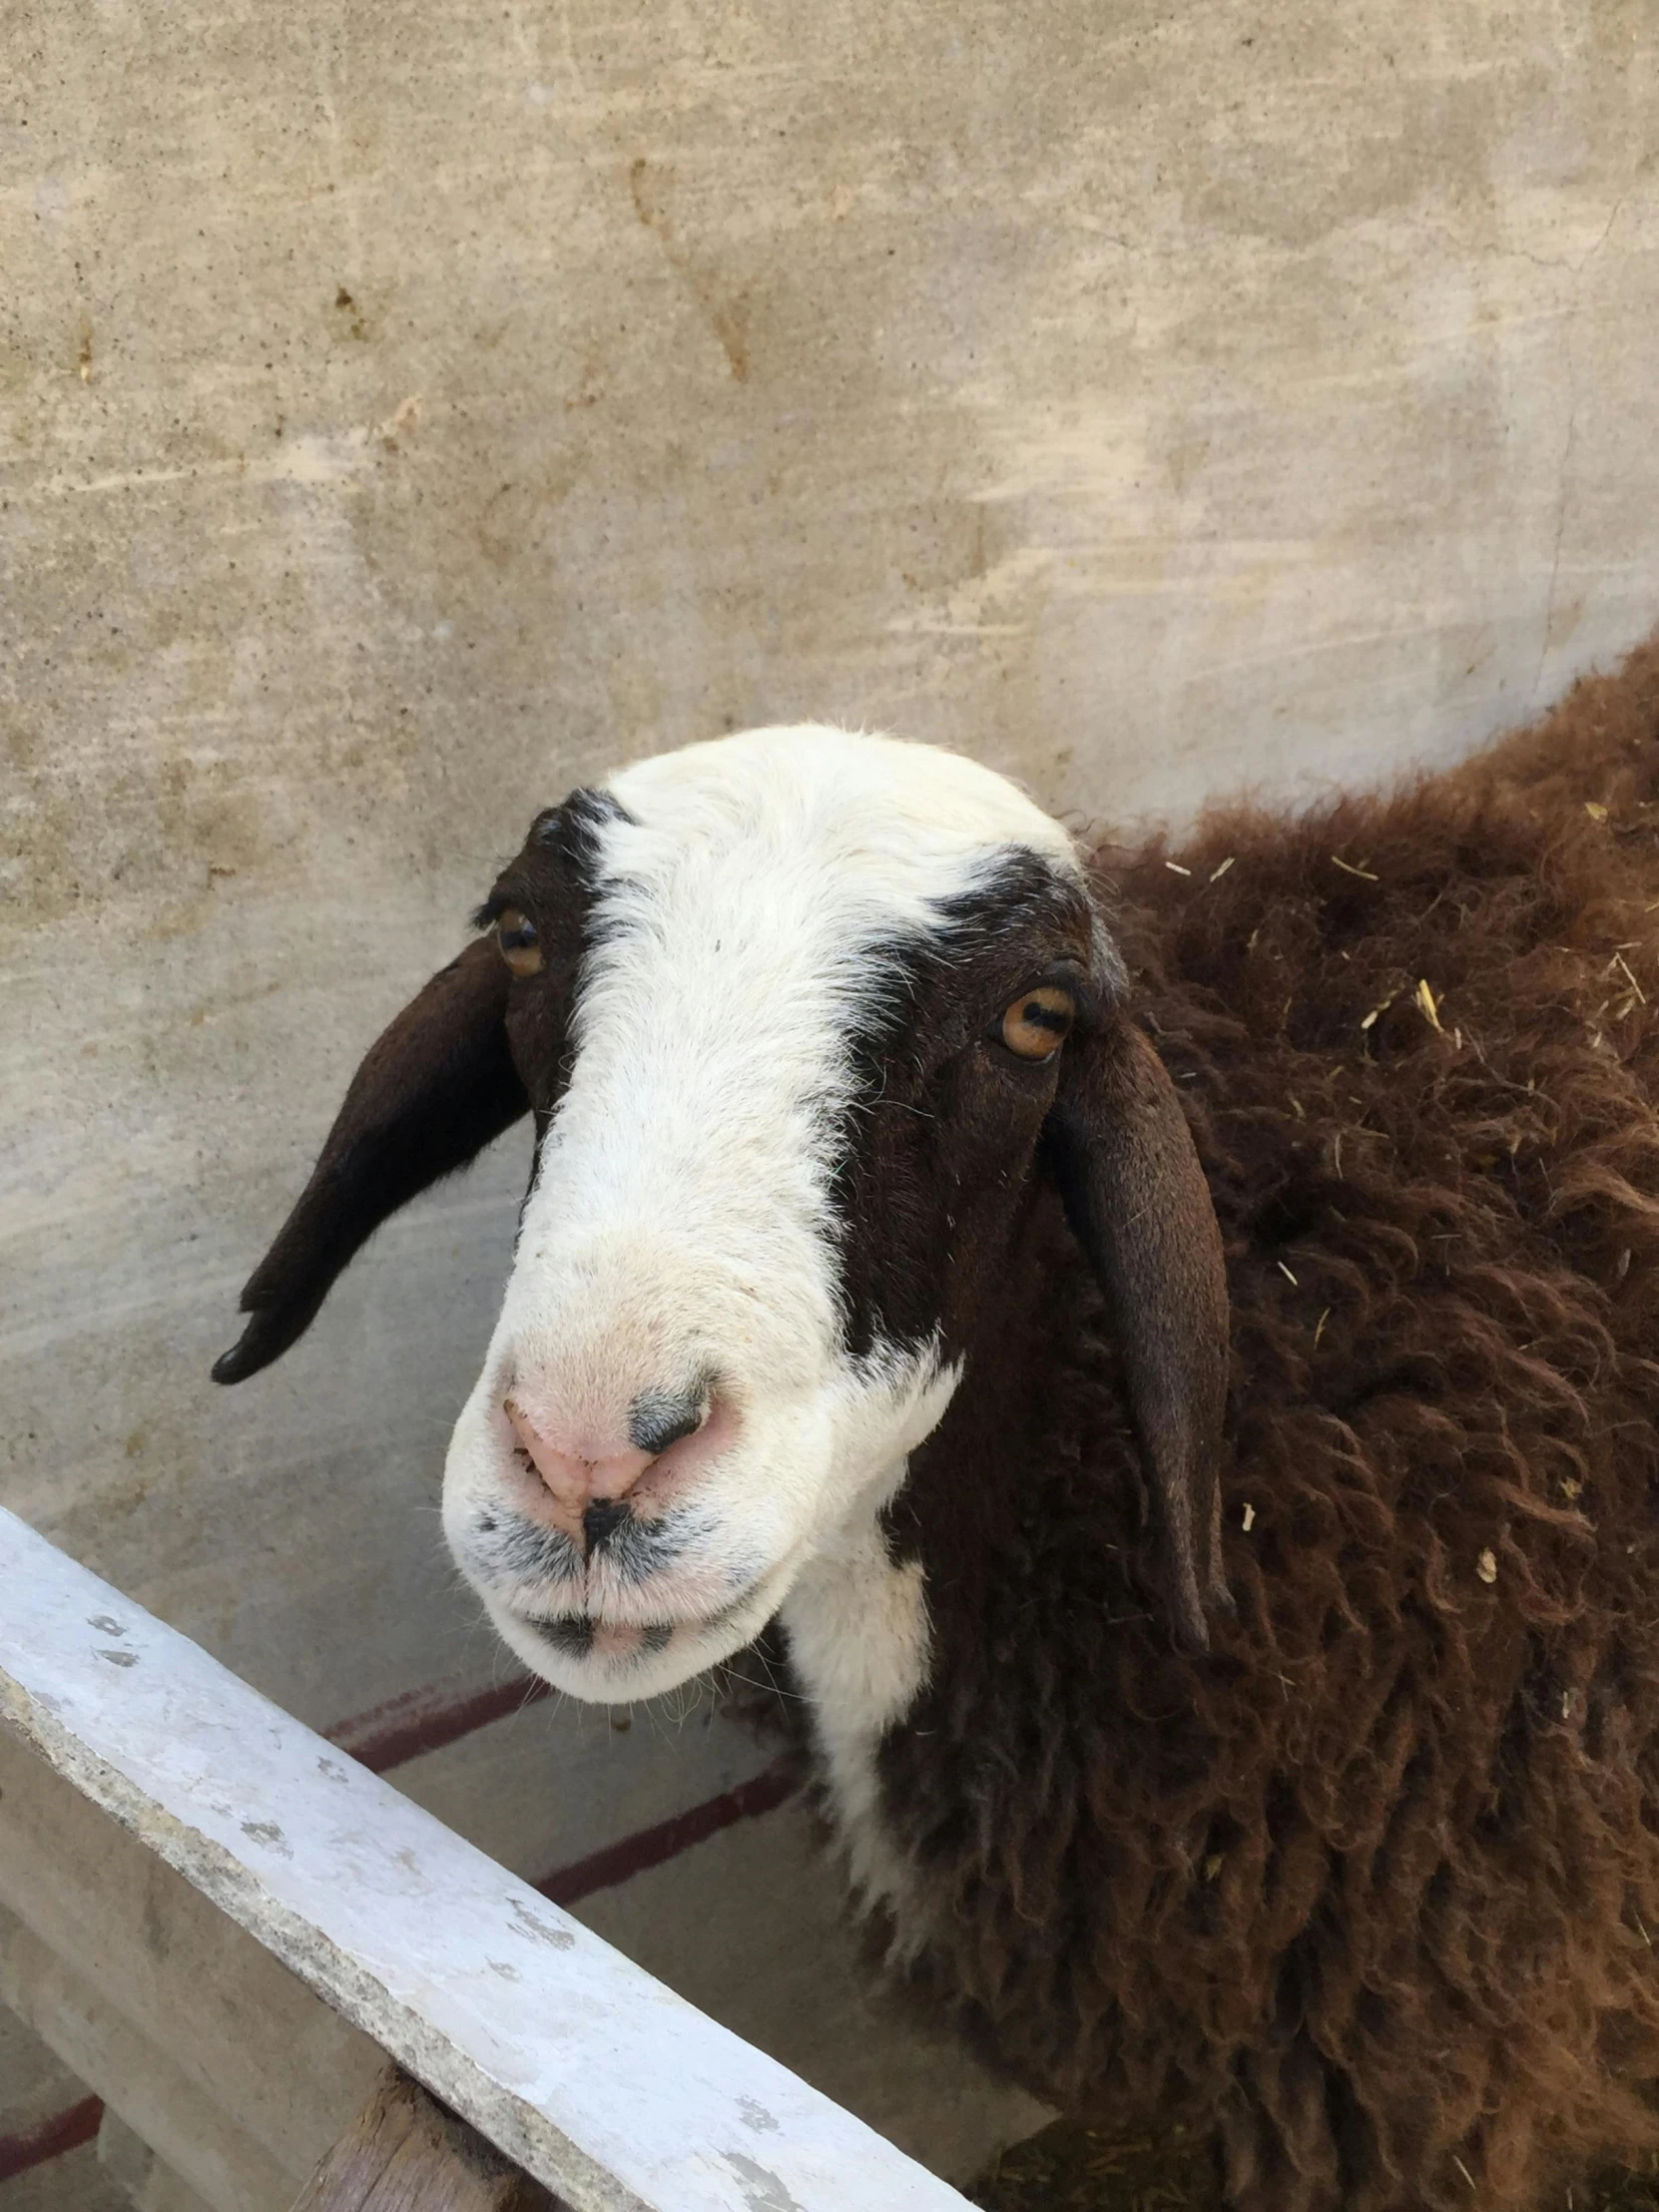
(408, 410)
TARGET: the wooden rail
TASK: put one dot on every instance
(581, 2069)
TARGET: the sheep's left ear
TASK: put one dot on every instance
(1137, 1201)
(433, 1090)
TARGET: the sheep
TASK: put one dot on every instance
(1168, 1333)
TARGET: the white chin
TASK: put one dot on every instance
(608, 1663)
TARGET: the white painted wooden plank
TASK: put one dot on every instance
(608, 2087)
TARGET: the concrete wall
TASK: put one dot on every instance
(408, 410)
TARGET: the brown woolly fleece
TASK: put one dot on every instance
(1374, 1882)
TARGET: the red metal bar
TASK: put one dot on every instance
(64, 2131)
(654, 1846)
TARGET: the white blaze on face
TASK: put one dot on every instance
(679, 1231)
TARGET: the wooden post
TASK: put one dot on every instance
(406, 2153)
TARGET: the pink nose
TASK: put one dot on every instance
(576, 1477)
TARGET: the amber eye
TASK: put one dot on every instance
(1034, 1026)
(519, 940)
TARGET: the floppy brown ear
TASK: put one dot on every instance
(432, 1092)
(1138, 1203)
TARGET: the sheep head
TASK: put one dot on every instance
(803, 1018)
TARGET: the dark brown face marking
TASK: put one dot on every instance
(941, 1143)
(541, 910)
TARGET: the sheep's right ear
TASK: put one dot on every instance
(1136, 1197)
(432, 1092)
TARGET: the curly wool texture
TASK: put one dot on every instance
(1373, 1884)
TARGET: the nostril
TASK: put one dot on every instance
(603, 1518)
(658, 1419)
